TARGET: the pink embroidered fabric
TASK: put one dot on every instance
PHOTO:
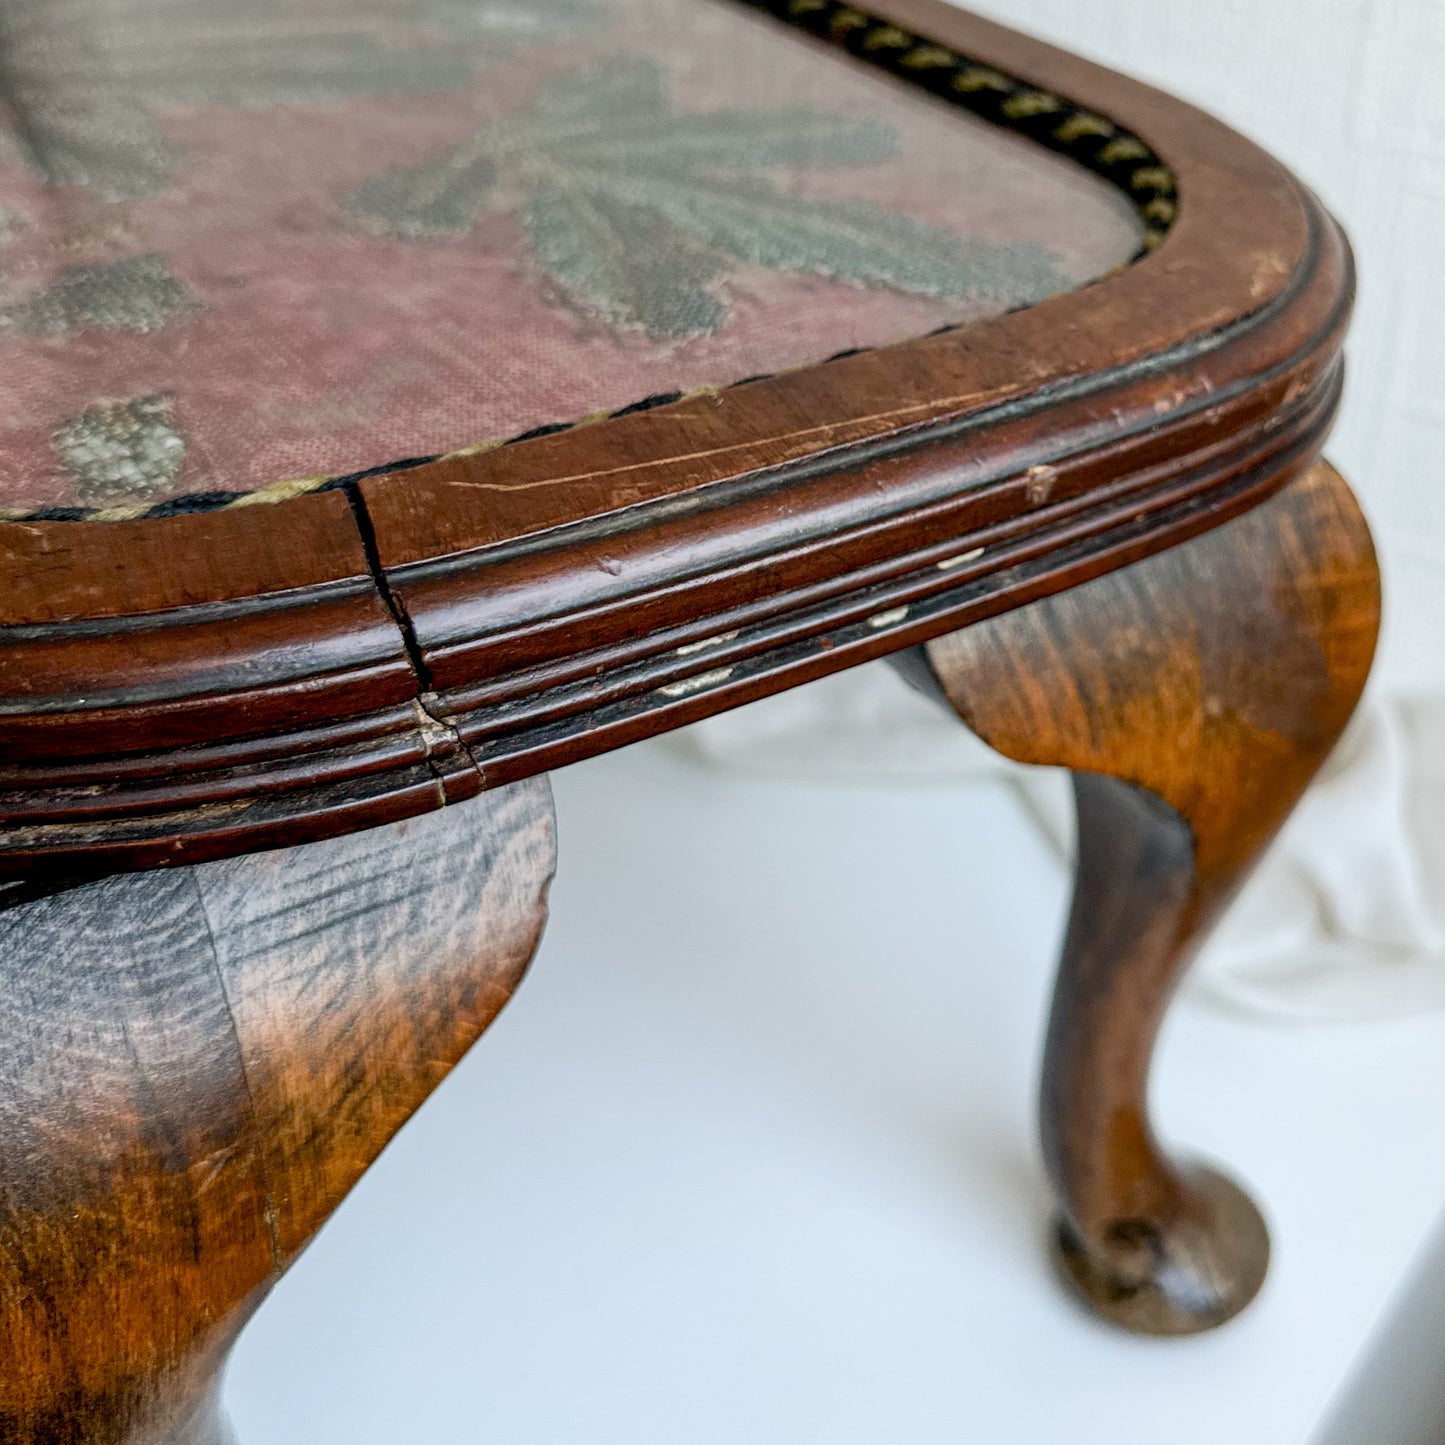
(245, 244)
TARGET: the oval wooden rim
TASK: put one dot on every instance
(205, 685)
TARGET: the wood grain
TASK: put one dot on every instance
(182, 689)
(196, 1065)
(1193, 695)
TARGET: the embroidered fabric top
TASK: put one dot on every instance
(246, 243)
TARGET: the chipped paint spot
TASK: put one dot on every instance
(697, 684)
(1041, 484)
(706, 643)
(888, 619)
(963, 558)
(435, 736)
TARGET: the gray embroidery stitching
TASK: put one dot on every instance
(637, 215)
(122, 448)
(82, 78)
(138, 294)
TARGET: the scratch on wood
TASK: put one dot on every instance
(859, 427)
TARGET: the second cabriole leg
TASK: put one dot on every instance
(1193, 696)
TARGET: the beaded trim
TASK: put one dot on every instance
(1090, 140)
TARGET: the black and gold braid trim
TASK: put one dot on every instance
(1090, 140)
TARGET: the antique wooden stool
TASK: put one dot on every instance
(405, 397)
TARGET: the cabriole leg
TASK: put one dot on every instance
(1193, 695)
(196, 1065)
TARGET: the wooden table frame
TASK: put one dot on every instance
(273, 674)
(1097, 528)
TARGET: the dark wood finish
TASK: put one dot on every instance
(196, 1065)
(173, 690)
(1193, 695)
(187, 1090)
(176, 690)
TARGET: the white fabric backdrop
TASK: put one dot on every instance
(1347, 916)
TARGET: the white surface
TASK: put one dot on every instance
(749, 1161)
(1400, 1380)
(1344, 920)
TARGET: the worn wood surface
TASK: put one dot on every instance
(197, 1061)
(196, 1064)
(173, 690)
(1193, 695)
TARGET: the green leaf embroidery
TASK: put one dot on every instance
(849, 240)
(740, 142)
(638, 215)
(616, 90)
(623, 264)
(112, 145)
(83, 76)
(434, 198)
(137, 295)
(117, 450)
